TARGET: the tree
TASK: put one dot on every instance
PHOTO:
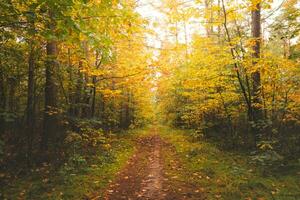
(256, 76)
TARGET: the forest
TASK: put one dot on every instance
(150, 99)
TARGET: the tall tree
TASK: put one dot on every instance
(30, 115)
(51, 90)
(256, 76)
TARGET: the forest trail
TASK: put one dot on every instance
(147, 175)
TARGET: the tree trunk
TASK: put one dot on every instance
(219, 26)
(51, 93)
(70, 86)
(256, 91)
(30, 120)
(12, 81)
(211, 19)
(286, 48)
(2, 98)
(101, 107)
(78, 93)
(94, 81)
(207, 27)
(93, 99)
(86, 111)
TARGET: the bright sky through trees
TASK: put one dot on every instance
(150, 9)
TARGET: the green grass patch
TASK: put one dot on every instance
(228, 175)
(88, 179)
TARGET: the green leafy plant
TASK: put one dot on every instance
(267, 157)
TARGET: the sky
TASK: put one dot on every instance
(149, 9)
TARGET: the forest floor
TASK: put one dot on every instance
(159, 163)
(150, 173)
(170, 164)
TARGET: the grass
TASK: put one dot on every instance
(81, 182)
(228, 175)
(218, 174)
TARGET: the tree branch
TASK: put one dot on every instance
(118, 77)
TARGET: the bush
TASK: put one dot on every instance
(197, 134)
(267, 157)
(86, 141)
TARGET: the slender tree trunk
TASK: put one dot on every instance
(246, 96)
(88, 91)
(51, 97)
(185, 39)
(208, 29)
(219, 26)
(286, 48)
(2, 98)
(93, 99)
(94, 81)
(11, 94)
(211, 19)
(101, 106)
(78, 94)
(128, 111)
(2, 89)
(51, 111)
(30, 119)
(70, 86)
(256, 79)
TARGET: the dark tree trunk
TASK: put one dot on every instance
(88, 90)
(70, 87)
(94, 81)
(101, 107)
(30, 119)
(125, 116)
(256, 91)
(51, 96)
(78, 91)
(2, 98)
(11, 94)
(93, 98)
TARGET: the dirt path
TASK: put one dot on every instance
(152, 186)
(146, 175)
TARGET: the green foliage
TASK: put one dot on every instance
(209, 77)
(197, 135)
(78, 160)
(81, 145)
(268, 157)
(230, 175)
(82, 176)
(8, 116)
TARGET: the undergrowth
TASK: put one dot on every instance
(230, 175)
(86, 172)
